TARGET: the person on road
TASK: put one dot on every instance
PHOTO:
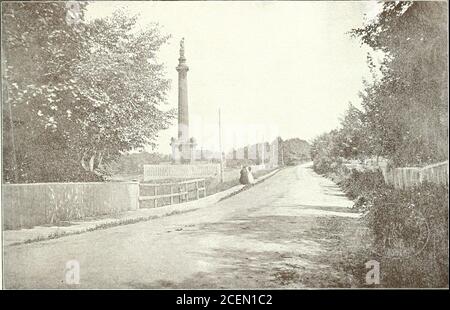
(250, 178)
(244, 176)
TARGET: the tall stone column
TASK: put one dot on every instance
(183, 112)
(183, 148)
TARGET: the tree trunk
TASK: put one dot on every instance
(95, 161)
(91, 163)
(100, 159)
(83, 164)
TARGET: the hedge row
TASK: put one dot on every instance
(409, 227)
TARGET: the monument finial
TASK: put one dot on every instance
(182, 48)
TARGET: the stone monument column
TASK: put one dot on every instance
(183, 148)
(183, 112)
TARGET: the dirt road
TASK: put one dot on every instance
(293, 230)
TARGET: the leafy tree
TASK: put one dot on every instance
(351, 137)
(295, 150)
(347, 142)
(406, 110)
(76, 94)
(326, 151)
(38, 48)
(124, 85)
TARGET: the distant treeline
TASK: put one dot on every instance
(279, 151)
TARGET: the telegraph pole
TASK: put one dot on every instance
(220, 148)
(263, 147)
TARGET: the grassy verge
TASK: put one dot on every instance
(214, 186)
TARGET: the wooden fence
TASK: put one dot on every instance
(28, 205)
(405, 177)
(158, 172)
(170, 193)
(413, 176)
(256, 168)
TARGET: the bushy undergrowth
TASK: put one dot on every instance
(409, 227)
(363, 187)
(326, 165)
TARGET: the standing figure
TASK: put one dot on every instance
(250, 178)
(244, 176)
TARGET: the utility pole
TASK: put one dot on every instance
(220, 148)
(263, 147)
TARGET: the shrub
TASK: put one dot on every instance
(362, 186)
(410, 229)
(326, 165)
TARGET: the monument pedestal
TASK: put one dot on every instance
(183, 152)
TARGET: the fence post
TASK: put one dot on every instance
(196, 190)
(138, 194)
(156, 193)
(171, 194)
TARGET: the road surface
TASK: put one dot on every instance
(293, 230)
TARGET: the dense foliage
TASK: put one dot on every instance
(411, 235)
(362, 186)
(402, 118)
(408, 227)
(295, 150)
(325, 152)
(404, 113)
(134, 163)
(76, 94)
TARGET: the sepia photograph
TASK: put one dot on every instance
(218, 145)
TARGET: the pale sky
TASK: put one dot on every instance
(273, 68)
